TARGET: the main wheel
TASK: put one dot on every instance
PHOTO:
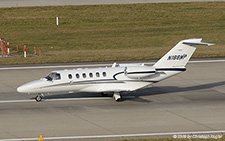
(117, 97)
(118, 100)
(38, 98)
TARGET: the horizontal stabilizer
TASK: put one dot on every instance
(199, 43)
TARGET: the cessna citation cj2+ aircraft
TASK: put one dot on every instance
(116, 79)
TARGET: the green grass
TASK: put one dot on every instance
(111, 32)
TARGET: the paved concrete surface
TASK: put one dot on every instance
(23, 3)
(191, 101)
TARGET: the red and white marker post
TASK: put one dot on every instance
(8, 48)
(57, 19)
(24, 51)
(1, 49)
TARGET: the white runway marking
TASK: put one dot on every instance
(119, 136)
(77, 99)
(207, 61)
(62, 99)
(49, 67)
(98, 65)
(16, 101)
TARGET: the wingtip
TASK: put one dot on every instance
(211, 44)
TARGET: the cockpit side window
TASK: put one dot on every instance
(53, 76)
(50, 76)
(57, 76)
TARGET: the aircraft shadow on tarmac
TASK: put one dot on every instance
(174, 89)
(135, 96)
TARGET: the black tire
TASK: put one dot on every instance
(38, 98)
(104, 95)
(119, 100)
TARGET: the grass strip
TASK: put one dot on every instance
(111, 32)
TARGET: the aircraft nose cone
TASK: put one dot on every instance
(21, 89)
(30, 87)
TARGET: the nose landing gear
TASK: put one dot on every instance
(39, 97)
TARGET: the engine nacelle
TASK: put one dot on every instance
(139, 71)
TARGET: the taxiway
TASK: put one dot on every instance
(26, 3)
(192, 101)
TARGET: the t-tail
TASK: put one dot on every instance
(179, 55)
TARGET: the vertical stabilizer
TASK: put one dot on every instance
(179, 55)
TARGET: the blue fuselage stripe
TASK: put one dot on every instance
(171, 69)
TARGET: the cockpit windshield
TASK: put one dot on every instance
(53, 76)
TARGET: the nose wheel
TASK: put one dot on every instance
(39, 97)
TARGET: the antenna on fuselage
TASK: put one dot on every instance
(114, 64)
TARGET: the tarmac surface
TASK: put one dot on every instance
(192, 101)
(25, 3)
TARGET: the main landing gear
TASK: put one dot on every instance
(117, 96)
(39, 97)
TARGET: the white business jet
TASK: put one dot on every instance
(116, 79)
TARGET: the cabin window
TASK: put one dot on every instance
(77, 76)
(90, 75)
(97, 74)
(84, 75)
(70, 76)
(57, 76)
(104, 74)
